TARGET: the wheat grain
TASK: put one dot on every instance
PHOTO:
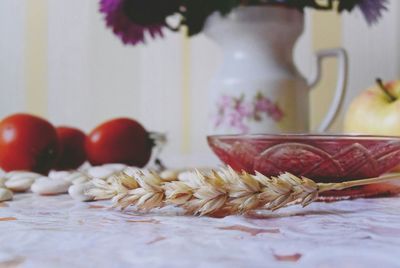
(224, 191)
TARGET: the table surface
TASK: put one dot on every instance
(56, 231)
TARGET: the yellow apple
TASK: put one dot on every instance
(376, 111)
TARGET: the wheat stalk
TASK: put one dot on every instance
(224, 191)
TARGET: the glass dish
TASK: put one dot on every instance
(322, 158)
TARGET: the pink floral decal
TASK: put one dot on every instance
(235, 112)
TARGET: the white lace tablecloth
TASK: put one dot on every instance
(59, 232)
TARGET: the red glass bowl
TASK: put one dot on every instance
(323, 158)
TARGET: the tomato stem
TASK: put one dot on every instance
(157, 142)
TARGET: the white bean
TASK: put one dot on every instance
(169, 175)
(81, 180)
(50, 187)
(115, 167)
(19, 184)
(75, 175)
(5, 194)
(22, 174)
(101, 172)
(3, 182)
(43, 178)
(56, 175)
(78, 191)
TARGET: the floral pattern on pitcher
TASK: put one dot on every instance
(237, 112)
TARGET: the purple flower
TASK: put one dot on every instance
(236, 121)
(127, 30)
(237, 113)
(244, 109)
(219, 119)
(225, 101)
(265, 105)
(372, 9)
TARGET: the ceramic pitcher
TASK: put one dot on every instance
(258, 88)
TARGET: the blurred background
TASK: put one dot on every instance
(58, 60)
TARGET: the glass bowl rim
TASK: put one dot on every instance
(305, 136)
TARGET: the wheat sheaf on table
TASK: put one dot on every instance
(218, 192)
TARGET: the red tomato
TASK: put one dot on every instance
(72, 148)
(28, 143)
(121, 140)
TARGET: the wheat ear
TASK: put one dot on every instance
(223, 191)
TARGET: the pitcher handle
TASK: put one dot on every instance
(338, 98)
